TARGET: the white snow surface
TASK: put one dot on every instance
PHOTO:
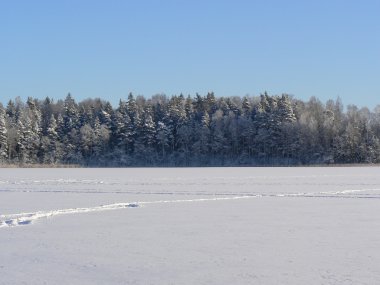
(190, 226)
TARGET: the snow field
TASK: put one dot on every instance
(191, 226)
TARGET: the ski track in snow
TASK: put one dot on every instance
(21, 219)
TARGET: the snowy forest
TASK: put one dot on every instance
(188, 131)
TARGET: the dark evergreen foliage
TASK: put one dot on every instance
(184, 131)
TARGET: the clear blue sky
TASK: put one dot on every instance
(108, 48)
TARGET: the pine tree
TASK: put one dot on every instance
(211, 103)
(189, 107)
(87, 141)
(132, 109)
(33, 114)
(11, 111)
(246, 107)
(46, 112)
(218, 140)
(71, 115)
(285, 110)
(105, 116)
(3, 136)
(163, 138)
(149, 129)
(61, 131)
(50, 145)
(98, 140)
(201, 146)
(23, 139)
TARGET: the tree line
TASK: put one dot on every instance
(188, 131)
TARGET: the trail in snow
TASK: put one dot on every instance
(20, 219)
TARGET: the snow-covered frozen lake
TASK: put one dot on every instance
(190, 226)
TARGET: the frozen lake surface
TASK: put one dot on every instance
(190, 226)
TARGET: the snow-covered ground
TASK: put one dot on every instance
(190, 226)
